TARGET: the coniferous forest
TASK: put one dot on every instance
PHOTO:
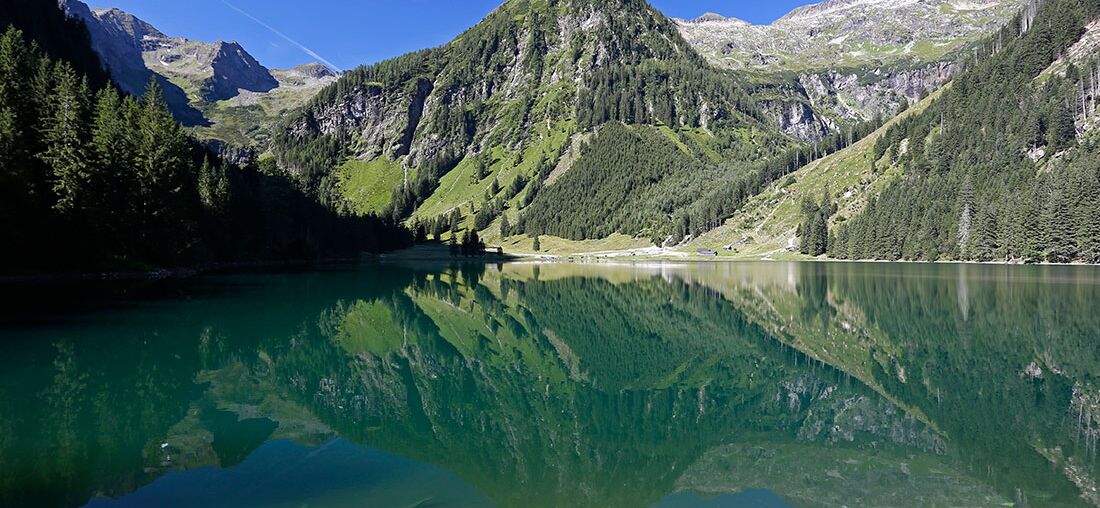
(994, 170)
(94, 179)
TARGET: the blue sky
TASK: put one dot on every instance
(348, 33)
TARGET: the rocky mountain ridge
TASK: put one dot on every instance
(861, 32)
(852, 60)
(210, 86)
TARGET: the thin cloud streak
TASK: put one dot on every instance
(300, 46)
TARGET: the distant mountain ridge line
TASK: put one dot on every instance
(213, 87)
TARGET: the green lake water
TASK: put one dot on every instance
(527, 385)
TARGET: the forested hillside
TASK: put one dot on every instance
(1005, 165)
(93, 179)
(652, 183)
(512, 100)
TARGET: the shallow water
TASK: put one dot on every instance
(748, 384)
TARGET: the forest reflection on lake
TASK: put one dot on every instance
(750, 384)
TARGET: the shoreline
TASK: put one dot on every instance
(414, 255)
(688, 257)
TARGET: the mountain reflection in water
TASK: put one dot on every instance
(753, 384)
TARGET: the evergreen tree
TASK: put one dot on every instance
(162, 160)
(15, 62)
(813, 230)
(213, 187)
(1057, 223)
(64, 134)
(1088, 226)
(481, 169)
(1062, 130)
(420, 232)
(966, 216)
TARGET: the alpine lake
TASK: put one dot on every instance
(399, 384)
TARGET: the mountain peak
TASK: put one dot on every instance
(711, 19)
(708, 17)
(127, 23)
(235, 69)
(315, 70)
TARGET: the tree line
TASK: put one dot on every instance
(813, 227)
(92, 178)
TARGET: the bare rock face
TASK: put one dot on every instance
(313, 71)
(384, 122)
(234, 69)
(797, 119)
(854, 59)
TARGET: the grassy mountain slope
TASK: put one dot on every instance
(506, 100)
(768, 223)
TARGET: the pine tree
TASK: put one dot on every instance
(113, 175)
(1088, 221)
(162, 166)
(41, 89)
(813, 230)
(986, 242)
(9, 146)
(477, 247)
(213, 187)
(481, 169)
(15, 63)
(454, 220)
(1056, 222)
(1062, 131)
(65, 134)
(537, 245)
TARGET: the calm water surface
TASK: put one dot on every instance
(703, 385)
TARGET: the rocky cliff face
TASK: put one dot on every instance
(196, 75)
(854, 59)
(118, 39)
